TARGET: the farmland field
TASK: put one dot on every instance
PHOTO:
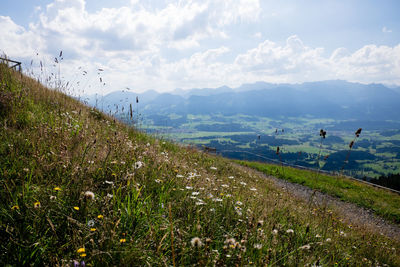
(375, 152)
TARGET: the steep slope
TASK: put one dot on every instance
(77, 186)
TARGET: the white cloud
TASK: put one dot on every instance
(257, 35)
(386, 30)
(16, 41)
(183, 44)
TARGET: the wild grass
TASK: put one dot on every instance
(383, 202)
(78, 187)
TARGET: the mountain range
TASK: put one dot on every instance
(335, 99)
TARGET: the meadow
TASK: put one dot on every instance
(376, 152)
(80, 188)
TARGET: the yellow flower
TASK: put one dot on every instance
(100, 216)
(122, 240)
(83, 255)
(36, 204)
(92, 229)
(16, 207)
(76, 208)
(57, 188)
(81, 250)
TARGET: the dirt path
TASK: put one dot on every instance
(350, 213)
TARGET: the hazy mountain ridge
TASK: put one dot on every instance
(326, 99)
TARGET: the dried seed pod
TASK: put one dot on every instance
(351, 144)
(357, 133)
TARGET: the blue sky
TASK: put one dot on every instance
(164, 45)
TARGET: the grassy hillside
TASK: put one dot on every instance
(382, 202)
(78, 186)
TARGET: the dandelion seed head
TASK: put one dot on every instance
(196, 242)
(89, 195)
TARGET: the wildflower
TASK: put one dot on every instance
(289, 231)
(253, 189)
(239, 203)
(109, 182)
(76, 208)
(231, 177)
(225, 186)
(238, 210)
(138, 164)
(200, 202)
(53, 197)
(36, 205)
(81, 250)
(16, 207)
(212, 209)
(83, 255)
(317, 236)
(57, 188)
(122, 240)
(100, 217)
(26, 170)
(213, 168)
(179, 176)
(89, 195)
(92, 229)
(90, 223)
(109, 195)
(230, 242)
(274, 232)
(195, 193)
(189, 187)
(217, 200)
(196, 242)
(243, 183)
(260, 223)
(328, 240)
(258, 246)
(158, 181)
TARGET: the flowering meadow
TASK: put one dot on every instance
(79, 188)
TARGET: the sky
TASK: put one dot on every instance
(142, 45)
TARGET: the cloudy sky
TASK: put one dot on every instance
(163, 45)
